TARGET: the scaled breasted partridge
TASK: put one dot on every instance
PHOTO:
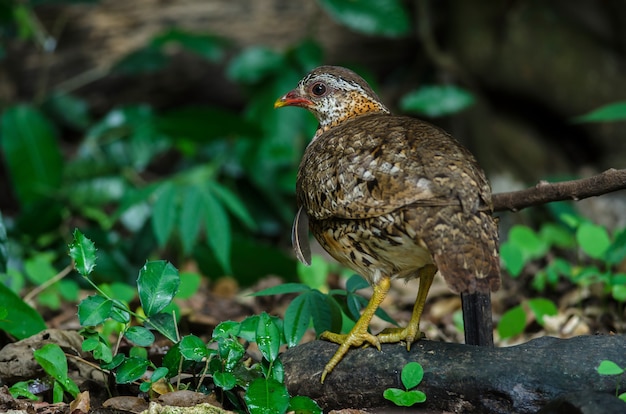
(389, 197)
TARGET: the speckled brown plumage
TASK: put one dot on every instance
(391, 196)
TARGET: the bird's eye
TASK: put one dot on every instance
(318, 89)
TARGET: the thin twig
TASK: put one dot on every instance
(37, 290)
(544, 192)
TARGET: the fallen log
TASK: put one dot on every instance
(461, 378)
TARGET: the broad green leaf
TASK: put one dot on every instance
(616, 252)
(608, 113)
(52, 359)
(31, 152)
(83, 252)
(303, 405)
(21, 389)
(404, 398)
(139, 336)
(297, 319)
(527, 240)
(619, 293)
(542, 307)
(230, 351)
(607, 367)
(356, 282)
(217, 230)
(593, 240)
(164, 324)
(267, 396)
(190, 217)
(512, 258)
(253, 64)
(376, 17)
(268, 336)
(157, 285)
(39, 268)
(193, 348)
(411, 375)
(131, 370)
(164, 212)
(228, 328)
(225, 380)
(282, 289)
(512, 322)
(94, 310)
(246, 329)
(21, 321)
(435, 100)
(233, 204)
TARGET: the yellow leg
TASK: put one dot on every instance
(358, 334)
(412, 331)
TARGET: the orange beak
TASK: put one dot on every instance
(292, 99)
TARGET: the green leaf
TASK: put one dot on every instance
(217, 230)
(512, 322)
(69, 109)
(230, 351)
(131, 370)
(233, 204)
(193, 348)
(542, 307)
(608, 113)
(21, 389)
(356, 282)
(303, 405)
(607, 367)
(225, 380)
(83, 252)
(230, 328)
(512, 258)
(316, 274)
(557, 235)
(157, 285)
(139, 336)
(33, 159)
(593, 240)
(94, 310)
(404, 398)
(412, 375)
(268, 336)
(266, 396)
(616, 252)
(619, 293)
(21, 320)
(254, 64)
(297, 319)
(39, 268)
(52, 359)
(434, 100)
(527, 240)
(190, 218)
(165, 212)
(164, 324)
(189, 285)
(376, 17)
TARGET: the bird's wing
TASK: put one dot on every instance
(379, 164)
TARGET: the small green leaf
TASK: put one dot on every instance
(303, 405)
(616, 252)
(69, 109)
(356, 282)
(139, 336)
(282, 289)
(512, 322)
(404, 398)
(512, 258)
(225, 380)
(131, 370)
(157, 285)
(607, 367)
(527, 240)
(593, 240)
(619, 293)
(542, 307)
(21, 321)
(230, 351)
(193, 348)
(189, 285)
(20, 389)
(164, 324)
(269, 336)
(83, 252)
(297, 319)
(622, 396)
(608, 113)
(375, 17)
(94, 310)
(52, 359)
(267, 396)
(228, 328)
(557, 235)
(435, 100)
(412, 375)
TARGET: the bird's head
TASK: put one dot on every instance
(333, 94)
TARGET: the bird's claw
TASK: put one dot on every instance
(346, 341)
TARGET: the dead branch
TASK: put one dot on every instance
(544, 192)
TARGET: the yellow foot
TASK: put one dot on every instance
(410, 334)
(355, 338)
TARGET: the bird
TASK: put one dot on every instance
(389, 196)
